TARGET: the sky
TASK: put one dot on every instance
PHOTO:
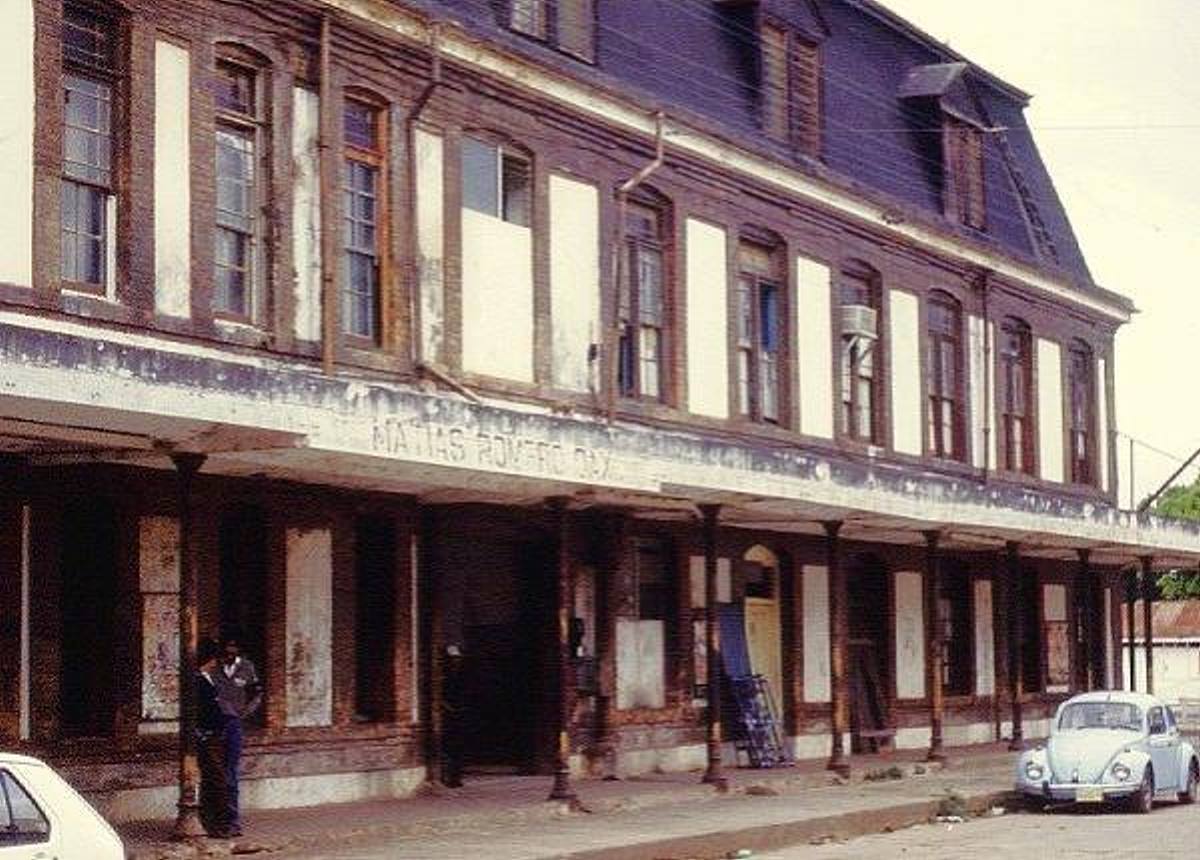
(1116, 115)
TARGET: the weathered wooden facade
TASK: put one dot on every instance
(537, 330)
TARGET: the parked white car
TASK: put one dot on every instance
(43, 818)
(1112, 746)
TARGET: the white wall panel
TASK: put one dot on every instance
(309, 613)
(574, 280)
(1054, 602)
(814, 347)
(707, 319)
(306, 214)
(158, 582)
(985, 643)
(977, 381)
(905, 341)
(497, 297)
(815, 599)
(640, 664)
(172, 181)
(431, 241)
(1050, 409)
(696, 581)
(1103, 441)
(16, 142)
(910, 635)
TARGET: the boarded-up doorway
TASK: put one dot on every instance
(760, 579)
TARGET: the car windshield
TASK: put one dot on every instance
(1100, 715)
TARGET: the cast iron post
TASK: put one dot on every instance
(712, 648)
(1148, 618)
(1016, 681)
(839, 711)
(1131, 592)
(934, 645)
(561, 789)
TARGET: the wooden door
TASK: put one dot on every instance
(765, 645)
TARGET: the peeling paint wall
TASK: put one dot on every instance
(158, 581)
(814, 348)
(497, 297)
(1103, 440)
(1050, 409)
(306, 213)
(815, 598)
(16, 142)
(905, 339)
(172, 181)
(309, 627)
(431, 241)
(985, 643)
(574, 280)
(641, 679)
(696, 581)
(1057, 638)
(910, 636)
(707, 305)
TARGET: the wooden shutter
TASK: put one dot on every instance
(806, 97)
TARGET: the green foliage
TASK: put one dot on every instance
(1181, 503)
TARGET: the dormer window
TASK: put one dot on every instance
(569, 25)
(790, 88)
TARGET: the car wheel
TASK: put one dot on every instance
(1191, 793)
(1143, 800)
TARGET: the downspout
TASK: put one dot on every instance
(324, 147)
(413, 241)
(988, 405)
(620, 260)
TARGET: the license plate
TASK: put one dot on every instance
(1089, 795)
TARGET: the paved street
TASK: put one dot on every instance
(1170, 832)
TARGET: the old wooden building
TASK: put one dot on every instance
(556, 334)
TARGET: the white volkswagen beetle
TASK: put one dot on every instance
(1110, 746)
(42, 817)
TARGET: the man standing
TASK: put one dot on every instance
(239, 695)
(210, 756)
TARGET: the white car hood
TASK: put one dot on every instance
(1081, 756)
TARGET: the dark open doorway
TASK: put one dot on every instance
(243, 552)
(870, 655)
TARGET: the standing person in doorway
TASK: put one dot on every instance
(239, 694)
(210, 742)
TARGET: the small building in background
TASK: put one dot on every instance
(1176, 651)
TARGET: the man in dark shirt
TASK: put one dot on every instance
(210, 723)
(239, 695)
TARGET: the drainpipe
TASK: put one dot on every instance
(325, 170)
(413, 241)
(620, 261)
(988, 405)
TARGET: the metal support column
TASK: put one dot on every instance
(1148, 585)
(712, 774)
(934, 646)
(565, 594)
(839, 714)
(1131, 595)
(1016, 630)
(187, 822)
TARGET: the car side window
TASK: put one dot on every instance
(1171, 723)
(21, 821)
(1158, 725)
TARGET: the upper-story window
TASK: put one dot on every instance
(759, 330)
(496, 181)
(1081, 385)
(642, 306)
(364, 222)
(964, 172)
(860, 352)
(569, 25)
(790, 88)
(943, 340)
(1016, 386)
(238, 252)
(90, 77)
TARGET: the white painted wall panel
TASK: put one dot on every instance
(696, 581)
(16, 142)
(309, 613)
(431, 241)
(640, 664)
(977, 370)
(574, 280)
(910, 635)
(815, 598)
(1050, 409)
(172, 181)
(985, 644)
(497, 297)
(707, 297)
(158, 577)
(306, 214)
(1054, 602)
(1102, 438)
(905, 342)
(814, 347)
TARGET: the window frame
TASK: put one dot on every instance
(750, 340)
(1013, 366)
(548, 27)
(935, 372)
(1079, 351)
(850, 369)
(506, 154)
(377, 161)
(632, 320)
(112, 74)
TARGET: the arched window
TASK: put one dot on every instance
(1082, 387)
(1016, 384)
(944, 381)
(642, 311)
(760, 333)
(364, 213)
(860, 351)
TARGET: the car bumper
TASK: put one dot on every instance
(1077, 792)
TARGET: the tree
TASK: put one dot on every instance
(1180, 503)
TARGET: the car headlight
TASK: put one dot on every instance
(1121, 771)
(1033, 771)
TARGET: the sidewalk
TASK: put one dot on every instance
(658, 816)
